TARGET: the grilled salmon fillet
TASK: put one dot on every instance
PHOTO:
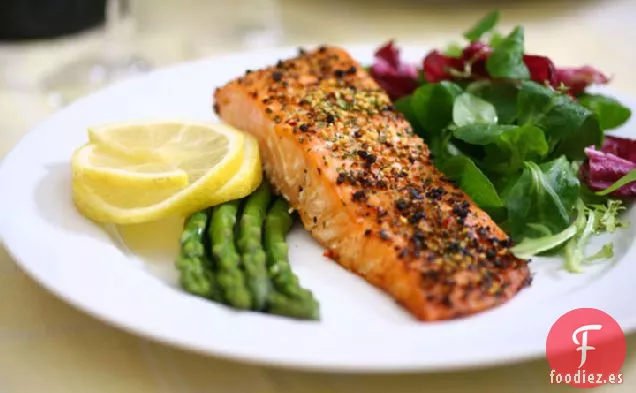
(365, 187)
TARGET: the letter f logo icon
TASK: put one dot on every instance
(583, 344)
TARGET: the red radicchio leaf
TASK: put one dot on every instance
(389, 54)
(400, 79)
(541, 68)
(577, 79)
(437, 66)
(397, 78)
(604, 167)
(476, 51)
(476, 55)
(622, 147)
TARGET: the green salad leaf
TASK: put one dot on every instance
(501, 94)
(530, 247)
(609, 112)
(607, 216)
(484, 25)
(564, 117)
(495, 38)
(469, 109)
(630, 177)
(472, 180)
(589, 220)
(573, 145)
(606, 252)
(480, 133)
(590, 197)
(506, 60)
(405, 106)
(432, 106)
(519, 144)
(544, 196)
(533, 102)
(568, 126)
(454, 50)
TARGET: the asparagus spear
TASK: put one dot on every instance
(279, 304)
(291, 299)
(250, 244)
(195, 273)
(229, 274)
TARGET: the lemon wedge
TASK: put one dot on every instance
(140, 172)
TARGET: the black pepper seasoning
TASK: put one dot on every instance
(369, 160)
(359, 195)
(453, 247)
(434, 194)
(416, 217)
(401, 204)
(414, 193)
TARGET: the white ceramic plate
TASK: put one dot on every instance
(361, 329)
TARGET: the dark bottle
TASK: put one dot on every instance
(37, 19)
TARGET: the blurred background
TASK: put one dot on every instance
(54, 51)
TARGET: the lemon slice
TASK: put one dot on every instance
(190, 146)
(120, 181)
(133, 173)
(246, 180)
(95, 163)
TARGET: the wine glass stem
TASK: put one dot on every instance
(119, 31)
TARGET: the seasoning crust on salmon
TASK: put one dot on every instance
(365, 187)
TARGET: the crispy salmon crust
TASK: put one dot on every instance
(365, 187)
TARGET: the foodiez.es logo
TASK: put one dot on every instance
(586, 348)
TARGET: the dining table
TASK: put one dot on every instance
(49, 346)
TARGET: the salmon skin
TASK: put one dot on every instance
(365, 187)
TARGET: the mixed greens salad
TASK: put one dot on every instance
(523, 138)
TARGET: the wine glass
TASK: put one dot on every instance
(239, 25)
(114, 61)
